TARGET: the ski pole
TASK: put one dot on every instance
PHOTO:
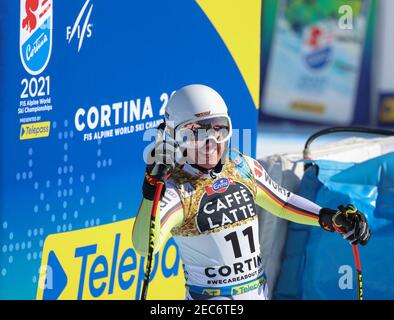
(159, 188)
(358, 268)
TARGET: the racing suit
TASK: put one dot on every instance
(212, 217)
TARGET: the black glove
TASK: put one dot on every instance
(347, 221)
(161, 161)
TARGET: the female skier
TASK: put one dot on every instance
(209, 201)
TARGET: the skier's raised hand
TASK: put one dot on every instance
(160, 163)
(348, 222)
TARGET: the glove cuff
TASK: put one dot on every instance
(149, 187)
(325, 219)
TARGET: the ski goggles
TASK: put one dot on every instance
(195, 134)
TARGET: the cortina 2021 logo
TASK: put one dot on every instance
(81, 30)
(318, 47)
(35, 38)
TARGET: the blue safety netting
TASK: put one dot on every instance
(318, 264)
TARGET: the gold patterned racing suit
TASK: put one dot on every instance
(213, 219)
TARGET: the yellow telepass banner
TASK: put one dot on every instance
(35, 130)
(101, 263)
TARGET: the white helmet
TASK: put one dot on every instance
(196, 103)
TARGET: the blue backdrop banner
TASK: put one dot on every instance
(80, 83)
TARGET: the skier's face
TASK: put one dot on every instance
(205, 140)
(207, 156)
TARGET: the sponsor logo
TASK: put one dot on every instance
(219, 186)
(203, 114)
(35, 36)
(233, 203)
(211, 292)
(261, 173)
(82, 27)
(318, 47)
(241, 166)
(387, 108)
(254, 280)
(170, 197)
(249, 286)
(101, 263)
(35, 130)
(310, 107)
(258, 169)
(237, 161)
(187, 190)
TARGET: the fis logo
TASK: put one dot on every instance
(82, 27)
(35, 34)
